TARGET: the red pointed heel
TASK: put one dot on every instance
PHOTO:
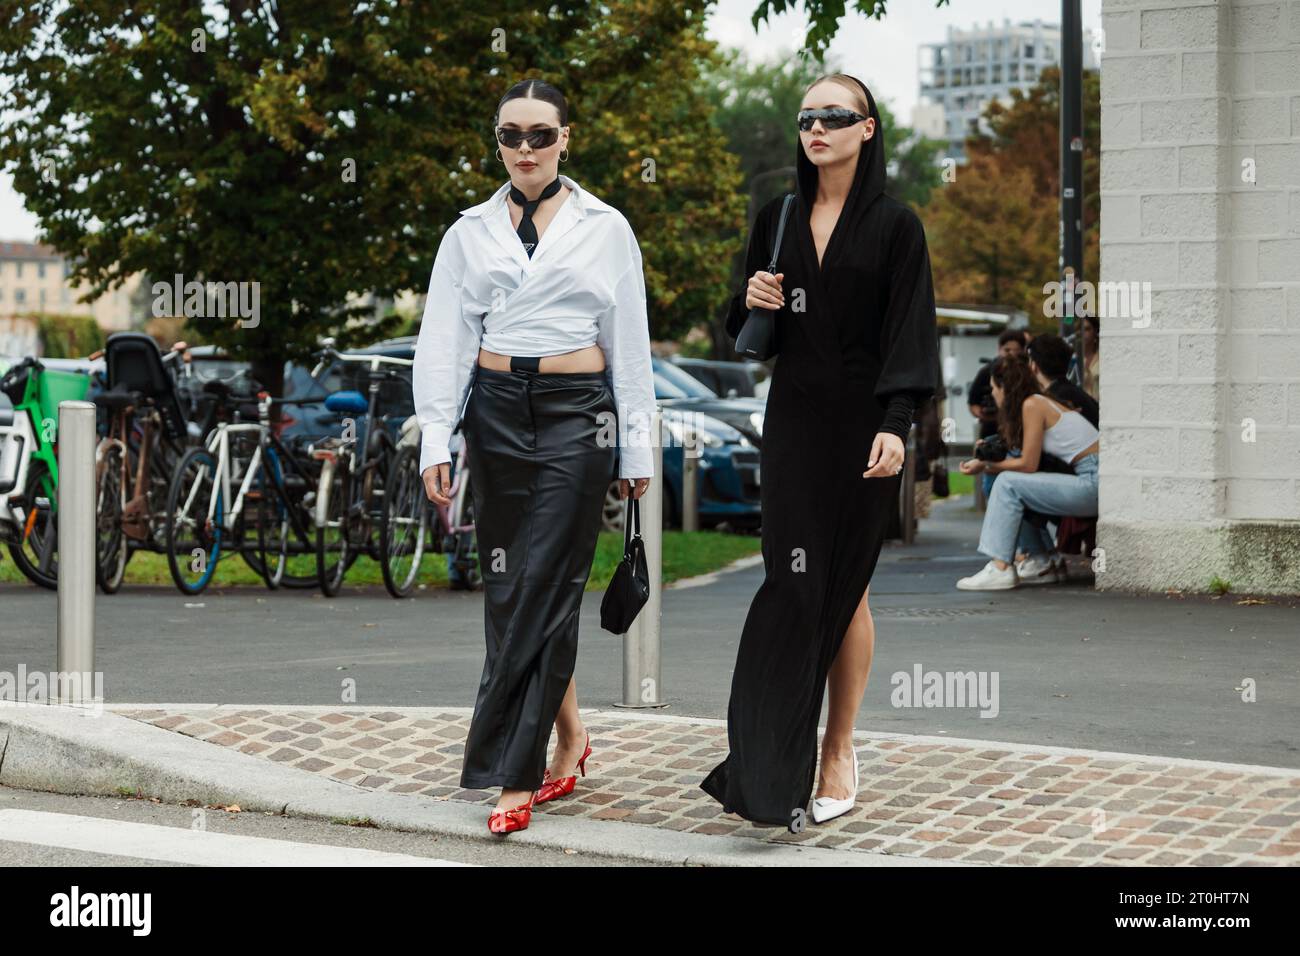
(552, 789)
(517, 818)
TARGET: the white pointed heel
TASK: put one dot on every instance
(828, 808)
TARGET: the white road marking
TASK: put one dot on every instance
(149, 841)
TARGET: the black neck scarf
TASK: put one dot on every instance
(869, 182)
(527, 231)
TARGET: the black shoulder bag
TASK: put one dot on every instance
(629, 588)
(757, 338)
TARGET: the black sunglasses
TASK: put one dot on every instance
(537, 138)
(836, 117)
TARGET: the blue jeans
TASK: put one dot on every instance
(1047, 492)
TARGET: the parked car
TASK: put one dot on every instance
(726, 379)
(728, 468)
(743, 414)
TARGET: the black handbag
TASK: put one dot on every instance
(629, 588)
(757, 338)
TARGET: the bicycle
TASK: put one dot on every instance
(455, 521)
(29, 466)
(146, 435)
(204, 522)
(370, 498)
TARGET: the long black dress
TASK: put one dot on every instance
(858, 360)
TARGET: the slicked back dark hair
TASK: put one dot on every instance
(535, 90)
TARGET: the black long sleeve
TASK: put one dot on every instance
(898, 415)
(909, 331)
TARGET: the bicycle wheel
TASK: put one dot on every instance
(36, 552)
(463, 571)
(333, 547)
(112, 550)
(272, 526)
(403, 523)
(194, 541)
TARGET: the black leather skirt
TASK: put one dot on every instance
(542, 454)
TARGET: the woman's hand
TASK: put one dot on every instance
(437, 480)
(764, 291)
(971, 466)
(625, 487)
(886, 456)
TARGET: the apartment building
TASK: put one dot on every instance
(971, 67)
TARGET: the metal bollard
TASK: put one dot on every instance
(75, 514)
(641, 670)
(691, 454)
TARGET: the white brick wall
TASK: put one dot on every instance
(1190, 89)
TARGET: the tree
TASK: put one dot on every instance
(994, 230)
(310, 150)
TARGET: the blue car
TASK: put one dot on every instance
(728, 477)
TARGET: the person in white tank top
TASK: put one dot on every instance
(1037, 425)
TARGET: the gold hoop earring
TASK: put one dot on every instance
(564, 155)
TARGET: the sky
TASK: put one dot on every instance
(880, 52)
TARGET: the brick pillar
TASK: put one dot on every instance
(1200, 400)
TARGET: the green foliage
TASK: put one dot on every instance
(219, 141)
(1219, 586)
(68, 336)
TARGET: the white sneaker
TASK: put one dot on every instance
(989, 578)
(828, 808)
(1037, 569)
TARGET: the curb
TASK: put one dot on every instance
(70, 750)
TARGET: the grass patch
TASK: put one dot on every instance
(684, 555)
(960, 484)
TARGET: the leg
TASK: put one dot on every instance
(846, 683)
(570, 734)
(1046, 492)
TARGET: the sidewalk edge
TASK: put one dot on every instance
(64, 750)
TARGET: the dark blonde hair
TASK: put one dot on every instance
(850, 83)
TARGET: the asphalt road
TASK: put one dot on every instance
(1076, 667)
(62, 830)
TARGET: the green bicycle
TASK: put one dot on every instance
(29, 464)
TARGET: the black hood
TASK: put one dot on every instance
(869, 181)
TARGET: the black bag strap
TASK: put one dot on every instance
(780, 231)
(633, 519)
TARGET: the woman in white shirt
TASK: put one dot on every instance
(536, 307)
(1034, 423)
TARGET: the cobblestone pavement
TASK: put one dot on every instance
(925, 797)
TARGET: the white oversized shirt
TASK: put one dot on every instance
(583, 286)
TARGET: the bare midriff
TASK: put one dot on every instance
(589, 359)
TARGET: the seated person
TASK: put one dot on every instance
(1036, 424)
(1049, 360)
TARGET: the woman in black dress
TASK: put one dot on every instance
(858, 352)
